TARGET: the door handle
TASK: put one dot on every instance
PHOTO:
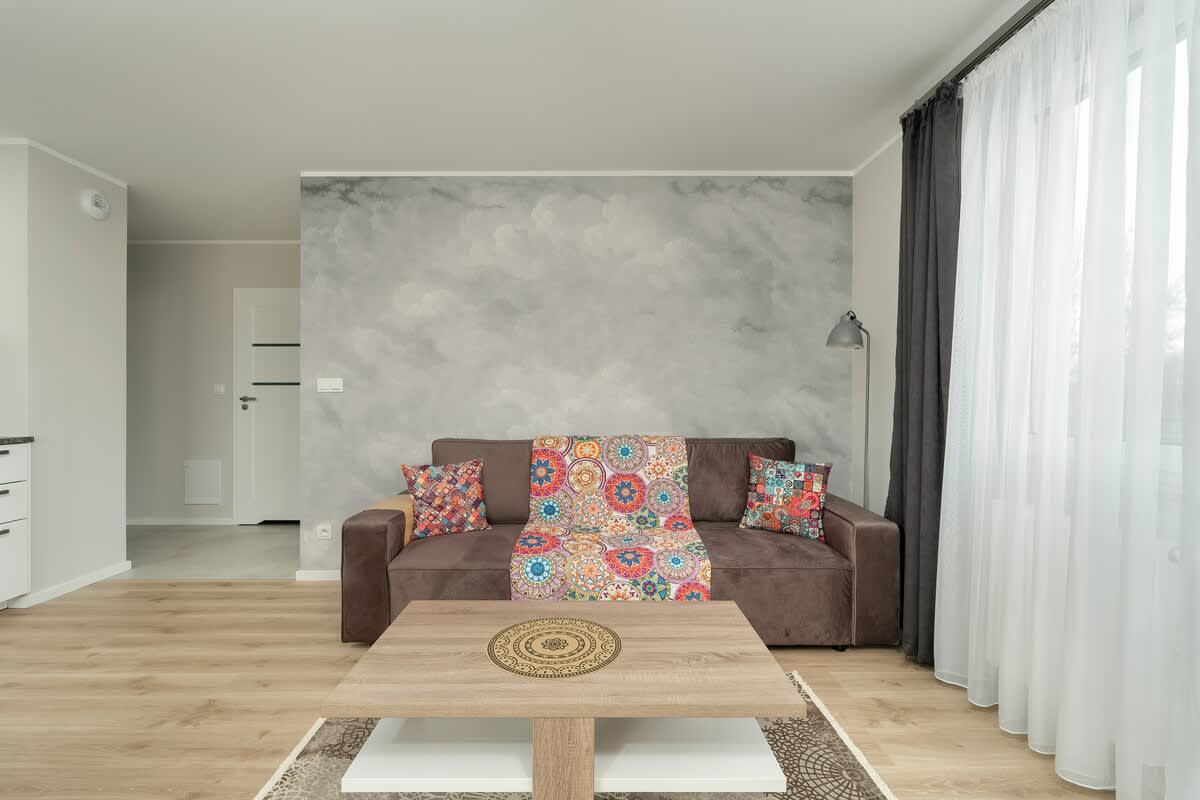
(247, 398)
(3, 492)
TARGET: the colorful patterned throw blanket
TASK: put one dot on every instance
(609, 520)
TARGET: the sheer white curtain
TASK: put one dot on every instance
(1068, 587)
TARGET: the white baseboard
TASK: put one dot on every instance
(180, 521)
(318, 574)
(87, 579)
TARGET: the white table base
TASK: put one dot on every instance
(632, 755)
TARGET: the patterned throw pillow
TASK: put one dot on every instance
(787, 496)
(448, 498)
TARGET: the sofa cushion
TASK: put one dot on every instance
(505, 472)
(728, 546)
(477, 550)
(732, 547)
(465, 566)
(793, 590)
(719, 474)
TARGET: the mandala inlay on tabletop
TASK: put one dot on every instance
(554, 647)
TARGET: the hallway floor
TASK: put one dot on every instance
(217, 552)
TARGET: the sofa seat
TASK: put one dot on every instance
(792, 589)
(789, 587)
(464, 566)
(731, 547)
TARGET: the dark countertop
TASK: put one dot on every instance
(15, 439)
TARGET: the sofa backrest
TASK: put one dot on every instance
(505, 472)
(718, 473)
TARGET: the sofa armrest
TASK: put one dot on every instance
(872, 544)
(370, 540)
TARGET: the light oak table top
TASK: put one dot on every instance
(676, 660)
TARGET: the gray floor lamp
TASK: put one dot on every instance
(848, 334)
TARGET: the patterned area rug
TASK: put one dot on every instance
(820, 761)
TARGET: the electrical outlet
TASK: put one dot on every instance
(324, 530)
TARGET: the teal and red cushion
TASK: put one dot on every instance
(448, 498)
(786, 496)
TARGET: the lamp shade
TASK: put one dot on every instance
(846, 334)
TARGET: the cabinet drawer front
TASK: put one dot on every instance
(14, 559)
(14, 501)
(14, 462)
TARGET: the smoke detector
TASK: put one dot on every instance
(95, 204)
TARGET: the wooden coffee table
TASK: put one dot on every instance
(674, 710)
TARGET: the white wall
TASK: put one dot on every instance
(74, 388)
(14, 298)
(181, 343)
(874, 288)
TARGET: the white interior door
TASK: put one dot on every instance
(266, 481)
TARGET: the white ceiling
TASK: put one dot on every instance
(210, 110)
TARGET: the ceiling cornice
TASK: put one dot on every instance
(74, 162)
(213, 241)
(584, 173)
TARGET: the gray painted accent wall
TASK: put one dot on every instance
(512, 306)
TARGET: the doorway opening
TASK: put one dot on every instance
(241, 493)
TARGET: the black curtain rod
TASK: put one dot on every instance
(990, 45)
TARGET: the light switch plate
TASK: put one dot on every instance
(218, 388)
(324, 530)
(329, 385)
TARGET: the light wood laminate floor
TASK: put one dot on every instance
(197, 690)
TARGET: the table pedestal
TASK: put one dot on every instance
(564, 758)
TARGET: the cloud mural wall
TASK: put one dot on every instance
(504, 307)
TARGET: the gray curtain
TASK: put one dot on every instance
(924, 323)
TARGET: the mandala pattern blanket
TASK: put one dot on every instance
(609, 520)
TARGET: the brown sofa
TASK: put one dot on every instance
(792, 589)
